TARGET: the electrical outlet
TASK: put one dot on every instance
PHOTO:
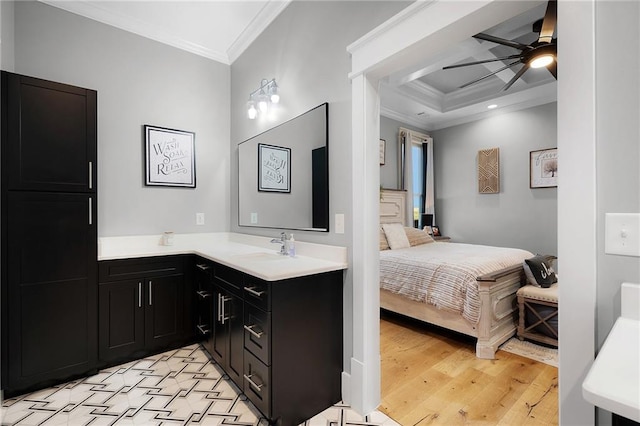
(254, 218)
(199, 218)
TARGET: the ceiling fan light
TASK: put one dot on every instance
(541, 61)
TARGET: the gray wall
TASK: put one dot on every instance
(515, 217)
(305, 50)
(139, 81)
(617, 150)
(389, 132)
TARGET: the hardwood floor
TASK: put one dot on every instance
(431, 376)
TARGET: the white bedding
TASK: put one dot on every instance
(444, 274)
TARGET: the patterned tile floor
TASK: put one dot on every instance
(176, 387)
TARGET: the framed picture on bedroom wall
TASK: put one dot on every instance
(383, 147)
(543, 168)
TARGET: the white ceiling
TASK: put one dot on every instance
(429, 97)
(424, 96)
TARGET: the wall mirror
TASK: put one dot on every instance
(283, 175)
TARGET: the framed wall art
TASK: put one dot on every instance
(383, 148)
(274, 168)
(170, 158)
(543, 168)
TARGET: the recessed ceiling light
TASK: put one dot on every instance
(492, 106)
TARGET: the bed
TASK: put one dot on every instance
(466, 288)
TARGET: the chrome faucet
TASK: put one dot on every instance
(282, 241)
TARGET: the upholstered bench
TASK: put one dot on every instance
(538, 308)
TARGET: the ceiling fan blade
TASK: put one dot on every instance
(553, 69)
(548, 23)
(490, 74)
(522, 70)
(481, 62)
(502, 41)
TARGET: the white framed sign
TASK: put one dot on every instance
(274, 168)
(543, 168)
(170, 157)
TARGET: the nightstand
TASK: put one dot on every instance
(442, 239)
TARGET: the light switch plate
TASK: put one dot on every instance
(622, 234)
(340, 223)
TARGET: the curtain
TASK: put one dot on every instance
(429, 196)
(406, 172)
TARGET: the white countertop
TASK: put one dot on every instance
(251, 254)
(613, 382)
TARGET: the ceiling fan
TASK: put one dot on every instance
(541, 53)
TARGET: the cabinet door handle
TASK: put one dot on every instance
(219, 307)
(90, 212)
(253, 291)
(223, 315)
(249, 328)
(203, 266)
(203, 294)
(140, 295)
(90, 174)
(257, 387)
(150, 293)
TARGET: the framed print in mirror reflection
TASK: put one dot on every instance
(274, 168)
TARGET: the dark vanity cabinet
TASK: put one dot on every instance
(141, 306)
(279, 341)
(49, 232)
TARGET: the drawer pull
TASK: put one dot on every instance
(254, 292)
(203, 266)
(249, 328)
(258, 387)
(203, 329)
(203, 294)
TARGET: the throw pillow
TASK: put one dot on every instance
(396, 237)
(539, 271)
(384, 245)
(417, 237)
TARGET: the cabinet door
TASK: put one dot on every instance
(220, 334)
(228, 333)
(51, 304)
(50, 142)
(163, 311)
(121, 319)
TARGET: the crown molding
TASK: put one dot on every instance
(404, 118)
(267, 14)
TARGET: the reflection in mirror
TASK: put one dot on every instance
(283, 175)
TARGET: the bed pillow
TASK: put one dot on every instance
(539, 271)
(396, 237)
(384, 245)
(417, 237)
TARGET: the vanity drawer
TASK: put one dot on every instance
(257, 333)
(130, 269)
(257, 378)
(229, 276)
(257, 293)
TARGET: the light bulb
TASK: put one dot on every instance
(252, 112)
(275, 98)
(273, 92)
(541, 61)
(263, 102)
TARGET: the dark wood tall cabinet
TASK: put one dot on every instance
(49, 232)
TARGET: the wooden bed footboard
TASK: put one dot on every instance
(498, 310)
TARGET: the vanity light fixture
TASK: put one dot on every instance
(263, 98)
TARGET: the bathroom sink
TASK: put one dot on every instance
(260, 257)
